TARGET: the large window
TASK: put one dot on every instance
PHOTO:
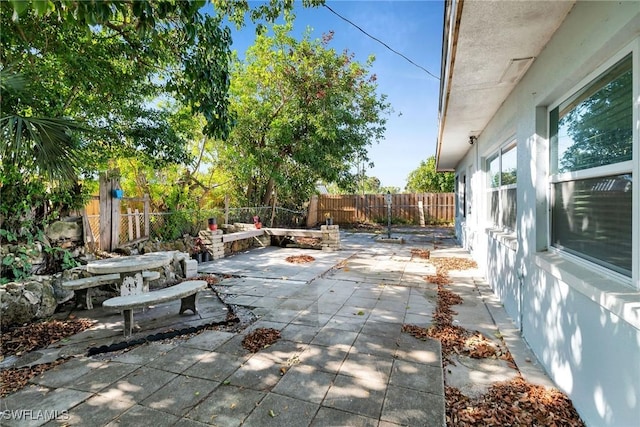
(502, 188)
(591, 165)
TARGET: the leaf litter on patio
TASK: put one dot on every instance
(34, 336)
(23, 339)
(421, 253)
(514, 402)
(299, 259)
(12, 380)
(260, 338)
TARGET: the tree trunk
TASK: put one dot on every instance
(251, 188)
(266, 199)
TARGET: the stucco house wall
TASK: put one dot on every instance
(582, 324)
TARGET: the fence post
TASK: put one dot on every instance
(104, 238)
(109, 213)
(115, 212)
(146, 209)
(130, 223)
(312, 212)
(226, 209)
(137, 217)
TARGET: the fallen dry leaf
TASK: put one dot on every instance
(513, 402)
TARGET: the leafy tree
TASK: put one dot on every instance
(82, 81)
(304, 113)
(425, 179)
(102, 63)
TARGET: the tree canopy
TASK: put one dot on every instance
(425, 179)
(304, 113)
(87, 84)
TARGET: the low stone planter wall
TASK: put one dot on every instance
(220, 244)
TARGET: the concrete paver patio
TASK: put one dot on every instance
(342, 359)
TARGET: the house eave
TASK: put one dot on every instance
(488, 47)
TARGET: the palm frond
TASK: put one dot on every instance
(44, 144)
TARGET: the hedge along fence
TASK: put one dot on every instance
(415, 208)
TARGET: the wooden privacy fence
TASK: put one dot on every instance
(112, 222)
(124, 221)
(415, 208)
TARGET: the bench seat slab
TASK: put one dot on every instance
(83, 288)
(186, 291)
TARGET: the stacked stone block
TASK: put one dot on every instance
(212, 239)
(330, 237)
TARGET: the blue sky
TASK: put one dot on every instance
(413, 28)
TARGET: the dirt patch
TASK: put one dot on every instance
(260, 338)
(299, 259)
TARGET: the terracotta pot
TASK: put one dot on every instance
(213, 224)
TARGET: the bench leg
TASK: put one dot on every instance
(188, 303)
(145, 289)
(83, 298)
(128, 322)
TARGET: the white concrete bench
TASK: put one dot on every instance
(239, 235)
(82, 288)
(293, 232)
(148, 276)
(186, 291)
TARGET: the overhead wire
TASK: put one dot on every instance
(382, 43)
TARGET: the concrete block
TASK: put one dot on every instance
(191, 268)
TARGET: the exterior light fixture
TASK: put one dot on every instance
(473, 139)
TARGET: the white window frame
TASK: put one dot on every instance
(632, 166)
(511, 143)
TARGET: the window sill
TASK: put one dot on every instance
(505, 238)
(613, 296)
